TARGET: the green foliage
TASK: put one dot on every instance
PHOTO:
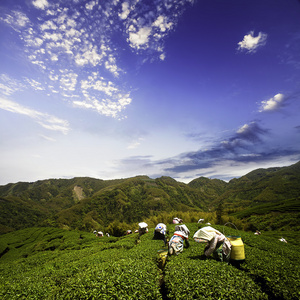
(274, 265)
(55, 264)
(270, 271)
(292, 205)
(50, 263)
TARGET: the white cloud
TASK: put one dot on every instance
(162, 24)
(125, 11)
(90, 5)
(8, 85)
(250, 43)
(89, 56)
(68, 81)
(61, 38)
(111, 65)
(162, 56)
(35, 42)
(54, 57)
(45, 120)
(83, 104)
(35, 84)
(273, 103)
(48, 25)
(21, 19)
(52, 36)
(99, 84)
(148, 27)
(137, 39)
(16, 20)
(243, 129)
(40, 4)
(50, 139)
(135, 144)
(106, 107)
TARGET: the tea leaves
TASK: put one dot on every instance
(49, 263)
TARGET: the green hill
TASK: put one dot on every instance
(264, 199)
(269, 198)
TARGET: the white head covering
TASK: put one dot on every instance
(143, 225)
(206, 233)
(161, 227)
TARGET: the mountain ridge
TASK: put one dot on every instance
(86, 203)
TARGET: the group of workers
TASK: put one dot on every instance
(217, 243)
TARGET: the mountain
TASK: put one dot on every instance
(268, 198)
(263, 198)
(88, 203)
(261, 186)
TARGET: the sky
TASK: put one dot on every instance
(114, 89)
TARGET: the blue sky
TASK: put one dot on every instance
(119, 88)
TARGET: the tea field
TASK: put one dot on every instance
(50, 263)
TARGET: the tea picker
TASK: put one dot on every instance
(179, 239)
(143, 228)
(217, 243)
(160, 232)
(177, 221)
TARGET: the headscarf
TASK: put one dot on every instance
(161, 228)
(143, 225)
(206, 233)
(182, 230)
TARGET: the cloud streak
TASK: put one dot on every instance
(245, 146)
(45, 120)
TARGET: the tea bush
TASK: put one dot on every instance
(275, 265)
(49, 263)
(188, 276)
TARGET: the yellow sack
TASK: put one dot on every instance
(237, 248)
(162, 257)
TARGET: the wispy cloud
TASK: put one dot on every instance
(9, 85)
(291, 54)
(250, 43)
(16, 19)
(135, 143)
(50, 139)
(45, 120)
(244, 146)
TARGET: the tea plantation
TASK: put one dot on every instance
(49, 263)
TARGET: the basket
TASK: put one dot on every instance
(237, 246)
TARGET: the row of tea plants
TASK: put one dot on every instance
(270, 271)
(49, 263)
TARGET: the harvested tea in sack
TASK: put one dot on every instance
(237, 247)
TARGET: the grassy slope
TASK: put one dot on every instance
(49, 263)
